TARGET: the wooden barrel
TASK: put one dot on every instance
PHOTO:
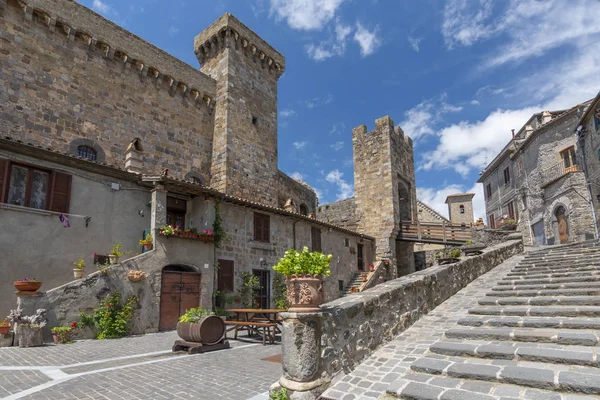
(209, 330)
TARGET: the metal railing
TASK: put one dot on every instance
(557, 171)
(428, 232)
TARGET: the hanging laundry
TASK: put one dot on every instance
(64, 220)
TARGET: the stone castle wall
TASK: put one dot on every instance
(300, 193)
(103, 84)
(342, 213)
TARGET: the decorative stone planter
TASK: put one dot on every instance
(29, 336)
(78, 273)
(304, 292)
(27, 286)
(113, 259)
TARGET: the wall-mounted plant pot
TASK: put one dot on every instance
(78, 273)
(136, 275)
(27, 286)
(113, 259)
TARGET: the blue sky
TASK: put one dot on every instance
(457, 75)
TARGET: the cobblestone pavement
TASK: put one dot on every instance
(139, 367)
(388, 374)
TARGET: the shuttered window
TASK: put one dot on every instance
(225, 278)
(315, 236)
(33, 187)
(261, 228)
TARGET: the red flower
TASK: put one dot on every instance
(108, 305)
(74, 324)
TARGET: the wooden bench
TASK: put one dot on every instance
(251, 326)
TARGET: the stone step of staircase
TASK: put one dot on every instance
(546, 292)
(541, 301)
(517, 352)
(556, 336)
(538, 311)
(570, 279)
(414, 388)
(355, 282)
(542, 376)
(532, 322)
(562, 254)
(549, 286)
(563, 265)
(553, 273)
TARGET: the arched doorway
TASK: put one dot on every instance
(179, 291)
(562, 224)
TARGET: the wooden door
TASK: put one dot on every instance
(179, 292)
(563, 226)
(360, 257)
(262, 295)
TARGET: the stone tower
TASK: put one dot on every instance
(460, 208)
(246, 69)
(384, 186)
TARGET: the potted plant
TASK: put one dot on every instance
(364, 277)
(147, 242)
(168, 231)
(509, 225)
(115, 253)
(207, 235)
(4, 326)
(78, 270)
(29, 328)
(304, 273)
(62, 334)
(27, 285)
(135, 275)
(200, 325)
(372, 267)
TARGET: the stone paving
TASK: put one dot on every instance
(409, 367)
(139, 367)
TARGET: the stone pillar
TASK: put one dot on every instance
(159, 210)
(301, 355)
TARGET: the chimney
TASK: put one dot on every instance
(513, 133)
(546, 117)
(528, 131)
(134, 157)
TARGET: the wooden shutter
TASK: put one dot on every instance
(315, 234)
(225, 282)
(61, 192)
(257, 227)
(261, 227)
(3, 179)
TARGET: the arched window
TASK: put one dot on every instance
(303, 209)
(462, 209)
(86, 152)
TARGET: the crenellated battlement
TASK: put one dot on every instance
(228, 31)
(383, 126)
(82, 25)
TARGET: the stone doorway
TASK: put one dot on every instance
(179, 291)
(562, 224)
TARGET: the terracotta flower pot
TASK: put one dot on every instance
(27, 286)
(55, 339)
(113, 259)
(304, 292)
(148, 246)
(78, 273)
(4, 329)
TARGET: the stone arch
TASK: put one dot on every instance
(561, 222)
(195, 177)
(181, 268)
(303, 209)
(461, 209)
(76, 143)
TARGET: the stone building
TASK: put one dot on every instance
(538, 180)
(106, 138)
(460, 208)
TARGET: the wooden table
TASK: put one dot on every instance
(252, 319)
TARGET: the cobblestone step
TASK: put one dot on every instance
(538, 311)
(562, 337)
(543, 376)
(539, 271)
(542, 301)
(532, 322)
(593, 270)
(571, 279)
(561, 255)
(517, 353)
(549, 286)
(546, 292)
(558, 266)
(408, 390)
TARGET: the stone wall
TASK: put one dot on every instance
(342, 213)
(502, 194)
(103, 84)
(318, 346)
(454, 208)
(300, 193)
(591, 125)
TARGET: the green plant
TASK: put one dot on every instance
(250, 283)
(304, 262)
(147, 240)
(79, 264)
(4, 323)
(218, 230)
(455, 253)
(103, 268)
(468, 242)
(111, 319)
(223, 299)
(116, 250)
(509, 222)
(63, 333)
(280, 394)
(195, 314)
(280, 292)
(168, 230)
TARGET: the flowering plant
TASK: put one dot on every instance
(79, 264)
(4, 323)
(207, 232)
(28, 280)
(169, 230)
(116, 250)
(146, 241)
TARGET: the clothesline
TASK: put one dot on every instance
(21, 208)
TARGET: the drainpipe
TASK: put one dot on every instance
(294, 232)
(588, 184)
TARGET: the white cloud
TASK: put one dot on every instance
(299, 145)
(345, 189)
(173, 31)
(335, 45)
(286, 113)
(297, 176)
(319, 101)
(101, 7)
(305, 14)
(337, 146)
(414, 43)
(423, 118)
(367, 40)
(466, 22)
(436, 198)
(475, 102)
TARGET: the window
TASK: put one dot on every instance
(254, 120)
(519, 167)
(488, 191)
(303, 209)
(511, 210)
(225, 277)
(86, 152)
(461, 209)
(491, 221)
(569, 159)
(30, 186)
(315, 235)
(261, 228)
(506, 176)
(346, 243)
(340, 286)
(176, 210)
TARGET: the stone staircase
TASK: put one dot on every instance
(355, 282)
(538, 327)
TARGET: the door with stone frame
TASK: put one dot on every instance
(180, 291)
(562, 225)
